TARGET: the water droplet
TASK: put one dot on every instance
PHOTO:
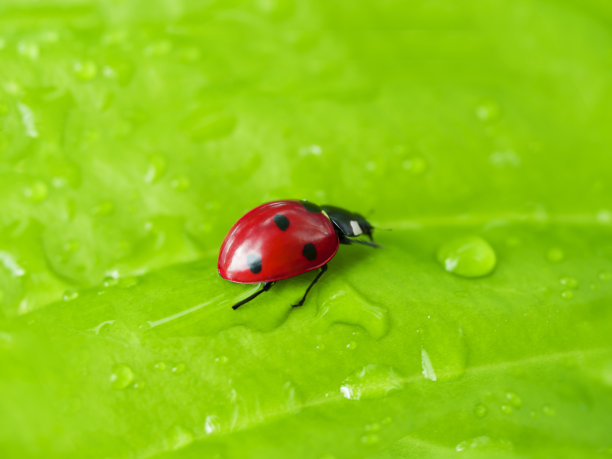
(28, 120)
(159, 48)
(548, 410)
(28, 49)
(6, 340)
(138, 385)
(9, 262)
(347, 306)
(428, 369)
(469, 256)
(292, 397)
(98, 329)
(179, 368)
(505, 158)
(314, 150)
(484, 443)
(555, 255)
(569, 282)
(157, 168)
(121, 377)
(160, 366)
(507, 409)
(222, 359)
(70, 295)
(567, 294)
(179, 437)
(110, 281)
(374, 427)
(352, 345)
(386, 421)
(488, 111)
(370, 439)
(604, 276)
(127, 282)
(36, 192)
(211, 424)
(180, 183)
(372, 381)
(416, 165)
(85, 70)
(514, 399)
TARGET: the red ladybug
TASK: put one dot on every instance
(282, 239)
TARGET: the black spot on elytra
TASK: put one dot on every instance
(254, 262)
(309, 251)
(310, 207)
(281, 221)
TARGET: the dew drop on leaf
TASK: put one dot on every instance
(70, 294)
(484, 443)
(569, 282)
(160, 366)
(372, 381)
(37, 191)
(548, 410)
(178, 368)
(567, 294)
(121, 377)
(370, 439)
(347, 306)
(469, 256)
(514, 399)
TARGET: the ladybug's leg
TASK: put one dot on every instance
(265, 288)
(314, 281)
(346, 240)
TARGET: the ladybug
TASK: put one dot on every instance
(282, 239)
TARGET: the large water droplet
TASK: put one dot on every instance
(121, 377)
(347, 306)
(469, 256)
(372, 381)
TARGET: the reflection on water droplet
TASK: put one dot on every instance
(179, 437)
(222, 359)
(507, 409)
(160, 366)
(374, 427)
(514, 399)
(488, 111)
(352, 345)
(98, 329)
(480, 410)
(567, 294)
(347, 306)
(416, 165)
(370, 439)
(292, 397)
(548, 410)
(428, 369)
(179, 368)
(70, 294)
(211, 424)
(372, 381)
(569, 282)
(180, 183)
(36, 192)
(444, 350)
(469, 256)
(484, 443)
(121, 377)
(157, 168)
(555, 255)
(85, 70)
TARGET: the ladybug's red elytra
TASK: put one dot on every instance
(282, 239)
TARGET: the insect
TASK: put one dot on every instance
(282, 239)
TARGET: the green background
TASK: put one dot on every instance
(133, 134)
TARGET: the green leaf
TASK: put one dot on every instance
(134, 134)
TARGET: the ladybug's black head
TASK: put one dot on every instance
(349, 225)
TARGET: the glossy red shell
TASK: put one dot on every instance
(281, 252)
